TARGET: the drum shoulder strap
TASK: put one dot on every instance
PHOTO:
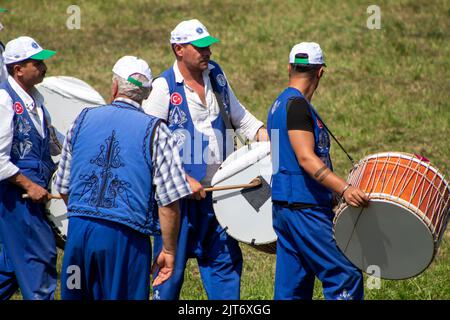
(223, 112)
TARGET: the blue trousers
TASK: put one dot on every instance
(105, 260)
(306, 249)
(219, 257)
(27, 248)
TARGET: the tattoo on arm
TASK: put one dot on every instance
(322, 177)
(322, 173)
(319, 172)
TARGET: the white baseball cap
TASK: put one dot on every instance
(23, 48)
(307, 53)
(126, 66)
(193, 32)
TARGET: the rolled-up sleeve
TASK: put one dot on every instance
(157, 104)
(62, 181)
(7, 168)
(169, 177)
(241, 118)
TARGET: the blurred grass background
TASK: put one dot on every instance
(384, 90)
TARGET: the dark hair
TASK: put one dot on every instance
(305, 68)
(10, 67)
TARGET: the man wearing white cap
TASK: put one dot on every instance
(29, 250)
(118, 165)
(194, 97)
(302, 192)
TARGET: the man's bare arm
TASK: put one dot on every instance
(303, 144)
(34, 191)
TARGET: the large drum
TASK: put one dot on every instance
(408, 211)
(64, 98)
(246, 214)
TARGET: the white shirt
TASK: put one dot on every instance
(36, 110)
(157, 105)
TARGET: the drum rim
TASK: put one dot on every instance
(408, 156)
(226, 228)
(260, 145)
(269, 248)
(434, 238)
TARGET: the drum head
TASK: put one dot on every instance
(387, 235)
(64, 99)
(246, 214)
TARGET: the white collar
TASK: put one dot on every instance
(30, 101)
(179, 77)
(129, 101)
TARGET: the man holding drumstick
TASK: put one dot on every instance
(28, 250)
(303, 187)
(194, 97)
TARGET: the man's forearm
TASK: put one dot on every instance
(169, 219)
(21, 181)
(322, 174)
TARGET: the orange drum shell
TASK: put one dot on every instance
(406, 177)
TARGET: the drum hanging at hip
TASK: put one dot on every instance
(408, 211)
(65, 98)
(246, 214)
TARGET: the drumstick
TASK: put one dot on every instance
(51, 196)
(254, 183)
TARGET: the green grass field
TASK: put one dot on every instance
(384, 90)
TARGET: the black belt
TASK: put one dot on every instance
(293, 205)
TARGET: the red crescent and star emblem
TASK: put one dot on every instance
(176, 99)
(18, 108)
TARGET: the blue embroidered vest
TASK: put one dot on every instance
(111, 170)
(192, 143)
(29, 151)
(291, 182)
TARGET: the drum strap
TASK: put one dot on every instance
(335, 139)
(223, 113)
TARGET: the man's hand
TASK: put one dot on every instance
(262, 134)
(34, 191)
(198, 192)
(164, 265)
(37, 193)
(355, 197)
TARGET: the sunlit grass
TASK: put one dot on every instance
(383, 90)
